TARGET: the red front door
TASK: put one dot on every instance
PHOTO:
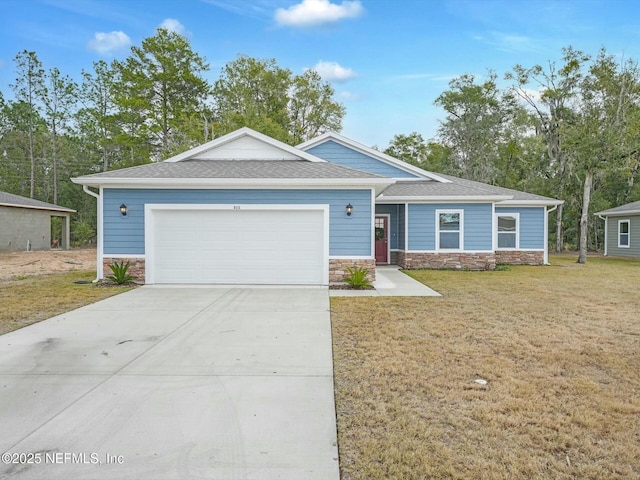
(382, 239)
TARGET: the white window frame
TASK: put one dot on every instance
(628, 234)
(496, 231)
(460, 231)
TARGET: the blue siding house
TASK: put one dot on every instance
(248, 209)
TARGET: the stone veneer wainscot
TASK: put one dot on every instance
(447, 261)
(136, 267)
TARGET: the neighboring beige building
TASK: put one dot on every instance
(25, 223)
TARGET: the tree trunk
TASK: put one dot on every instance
(584, 219)
(32, 159)
(559, 232)
(55, 164)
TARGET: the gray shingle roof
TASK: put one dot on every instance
(458, 187)
(516, 194)
(11, 200)
(633, 207)
(432, 188)
(291, 169)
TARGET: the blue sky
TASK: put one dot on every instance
(387, 60)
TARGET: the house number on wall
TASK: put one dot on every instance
(236, 207)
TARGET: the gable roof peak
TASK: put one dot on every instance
(381, 156)
(288, 152)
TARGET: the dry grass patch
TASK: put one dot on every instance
(27, 301)
(559, 346)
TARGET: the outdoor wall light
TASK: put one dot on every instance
(123, 210)
(349, 210)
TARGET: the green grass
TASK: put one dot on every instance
(30, 300)
(559, 346)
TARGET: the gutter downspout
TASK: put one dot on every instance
(85, 189)
(546, 234)
(606, 231)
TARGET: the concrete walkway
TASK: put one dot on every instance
(173, 383)
(390, 282)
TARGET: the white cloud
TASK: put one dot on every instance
(534, 95)
(310, 13)
(247, 8)
(346, 95)
(508, 42)
(105, 43)
(425, 76)
(175, 26)
(334, 72)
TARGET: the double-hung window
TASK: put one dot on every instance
(623, 233)
(449, 229)
(508, 230)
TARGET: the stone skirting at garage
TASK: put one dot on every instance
(338, 268)
(452, 261)
(520, 257)
(136, 267)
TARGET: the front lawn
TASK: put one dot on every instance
(32, 299)
(558, 345)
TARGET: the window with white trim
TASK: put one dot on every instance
(623, 233)
(508, 231)
(449, 229)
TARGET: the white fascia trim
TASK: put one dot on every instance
(245, 183)
(443, 198)
(383, 157)
(125, 255)
(529, 203)
(618, 214)
(242, 132)
(350, 257)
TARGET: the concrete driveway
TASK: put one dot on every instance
(173, 383)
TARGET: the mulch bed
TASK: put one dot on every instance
(348, 287)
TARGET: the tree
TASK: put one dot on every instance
(253, 93)
(551, 94)
(97, 117)
(29, 84)
(4, 120)
(604, 133)
(59, 97)
(312, 110)
(477, 117)
(259, 94)
(161, 85)
(409, 148)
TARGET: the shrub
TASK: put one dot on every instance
(120, 275)
(82, 234)
(357, 277)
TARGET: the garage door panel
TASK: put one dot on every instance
(238, 246)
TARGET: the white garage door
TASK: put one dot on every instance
(236, 246)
